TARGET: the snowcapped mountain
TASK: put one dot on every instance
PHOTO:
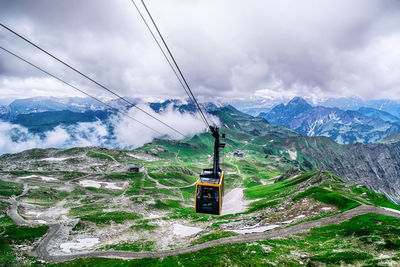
(345, 127)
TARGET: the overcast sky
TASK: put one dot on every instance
(227, 49)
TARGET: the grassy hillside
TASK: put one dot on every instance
(89, 192)
(367, 240)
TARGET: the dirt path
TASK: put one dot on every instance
(12, 211)
(42, 253)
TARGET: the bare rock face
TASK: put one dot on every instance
(376, 166)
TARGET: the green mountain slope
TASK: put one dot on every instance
(278, 217)
(374, 165)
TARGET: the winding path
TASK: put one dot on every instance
(12, 211)
(41, 249)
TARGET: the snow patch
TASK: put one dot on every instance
(27, 177)
(326, 208)
(41, 221)
(44, 178)
(90, 183)
(95, 184)
(255, 229)
(81, 244)
(54, 159)
(392, 210)
(33, 213)
(47, 179)
(292, 154)
(112, 186)
(184, 231)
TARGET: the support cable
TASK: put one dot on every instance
(166, 58)
(74, 87)
(176, 65)
(90, 79)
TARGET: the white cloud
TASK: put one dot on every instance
(127, 133)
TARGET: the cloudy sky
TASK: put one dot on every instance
(227, 49)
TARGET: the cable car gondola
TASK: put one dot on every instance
(210, 186)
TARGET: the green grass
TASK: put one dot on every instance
(37, 153)
(136, 246)
(375, 198)
(262, 204)
(8, 189)
(139, 200)
(188, 213)
(358, 241)
(270, 191)
(125, 175)
(19, 173)
(144, 225)
(79, 226)
(265, 191)
(166, 204)
(68, 175)
(188, 193)
(328, 197)
(273, 194)
(107, 217)
(46, 195)
(213, 236)
(98, 155)
(363, 225)
(173, 178)
(24, 233)
(339, 257)
(11, 235)
(71, 151)
(104, 191)
(88, 207)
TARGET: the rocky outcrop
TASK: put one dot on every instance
(376, 166)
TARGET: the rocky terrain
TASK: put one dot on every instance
(374, 165)
(91, 206)
(283, 203)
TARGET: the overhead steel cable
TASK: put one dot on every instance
(90, 79)
(166, 57)
(76, 88)
(176, 65)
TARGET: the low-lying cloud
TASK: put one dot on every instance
(118, 132)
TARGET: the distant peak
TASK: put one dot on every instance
(298, 101)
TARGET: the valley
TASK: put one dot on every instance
(199, 133)
(93, 207)
(84, 205)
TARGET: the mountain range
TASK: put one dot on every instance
(352, 103)
(373, 165)
(377, 166)
(366, 125)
